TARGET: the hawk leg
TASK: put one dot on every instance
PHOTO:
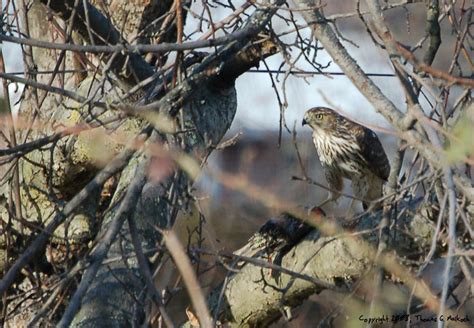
(335, 183)
(368, 188)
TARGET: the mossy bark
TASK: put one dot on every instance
(338, 261)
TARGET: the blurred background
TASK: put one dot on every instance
(270, 106)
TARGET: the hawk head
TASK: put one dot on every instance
(322, 118)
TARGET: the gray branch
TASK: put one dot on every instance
(208, 100)
(132, 67)
(336, 261)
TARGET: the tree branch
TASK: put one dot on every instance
(208, 110)
(336, 262)
(132, 67)
(40, 241)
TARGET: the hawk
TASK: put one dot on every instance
(348, 150)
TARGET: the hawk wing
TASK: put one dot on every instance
(373, 152)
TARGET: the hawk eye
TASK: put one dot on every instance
(319, 116)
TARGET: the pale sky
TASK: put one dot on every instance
(257, 103)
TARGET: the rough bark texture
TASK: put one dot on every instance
(48, 176)
(336, 260)
(207, 101)
(131, 69)
(201, 100)
(154, 209)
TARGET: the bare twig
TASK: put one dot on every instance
(40, 241)
(127, 205)
(184, 265)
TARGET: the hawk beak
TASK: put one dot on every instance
(303, 123)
